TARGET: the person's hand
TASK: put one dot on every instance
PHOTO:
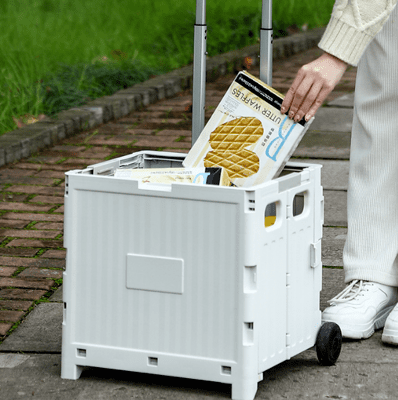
(313, 83)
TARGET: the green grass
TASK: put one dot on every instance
(52, 51)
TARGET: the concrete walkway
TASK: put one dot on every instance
(32, 259)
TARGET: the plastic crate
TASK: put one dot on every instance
(187, 280)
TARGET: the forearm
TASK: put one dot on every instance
(353, 25)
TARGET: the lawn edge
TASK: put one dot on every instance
(24, 142)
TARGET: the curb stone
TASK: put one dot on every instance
(26, 141)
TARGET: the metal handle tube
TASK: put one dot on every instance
(200, 12)
(199, 71)
(266, 40)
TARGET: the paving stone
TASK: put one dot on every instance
(166, 106)
(26, 283)
(96, 153)
(8, 223)
(57, 296)
(7, 271)
(12, 360)
(9, 173)
(33, 217)
(81, 163)
(47, 199)
(41, 167)
(156, 124)
(334, 174)
(15, 304)
(112, 141)
(13, 197)
(347, 100)
(40, 273)
(331, 119)
(324, 145)
(332, 246)
(55, 254)
(59, 210)
(45, 159)
(140, 115)
(22, 294)
(49, 225)
(27, 180)
(68, 148)
(51, 174)
(170, 132)
(17, 252)
(4, 328)
(40, 332)
(56, 191)
(23, 207)
(30, 233)
(139, 132)
(162, 141)
(335, 208)
(11, 316)
(32, 166)
(32, 262)
(37, 243)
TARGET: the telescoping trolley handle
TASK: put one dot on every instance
(199, 60)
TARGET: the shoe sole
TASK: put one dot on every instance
(390, 336)
(352, 332)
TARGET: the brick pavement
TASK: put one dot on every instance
(32, 256)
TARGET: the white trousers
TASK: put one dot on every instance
(371, 248)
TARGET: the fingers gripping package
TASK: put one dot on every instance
(247, 135)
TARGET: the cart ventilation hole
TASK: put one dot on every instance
(64, 314)
(226, 370)
(250, 200)
(250, 279)
(299, 203)
(270, 214)
(248, 333)
(81, 352)
(152, 361)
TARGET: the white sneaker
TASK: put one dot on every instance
(390, 333)
(361, 308)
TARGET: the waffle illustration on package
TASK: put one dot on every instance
(202, 176)
(247, 135)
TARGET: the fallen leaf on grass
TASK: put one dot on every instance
(101, 59)
(27, 119)
(248, 62)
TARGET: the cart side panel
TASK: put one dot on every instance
(271, 273)
(196, 310)
(304, 268)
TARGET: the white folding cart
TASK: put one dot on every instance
(189, 280)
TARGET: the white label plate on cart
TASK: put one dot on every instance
(156, 274)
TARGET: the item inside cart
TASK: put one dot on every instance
(247, 134)
(201, 176)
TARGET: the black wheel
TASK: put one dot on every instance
(328, 343)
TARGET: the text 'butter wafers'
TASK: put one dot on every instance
(247, 135)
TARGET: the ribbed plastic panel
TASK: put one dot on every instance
(109, 226)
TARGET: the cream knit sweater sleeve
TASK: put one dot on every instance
(352, 26)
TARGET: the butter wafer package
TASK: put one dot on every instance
(202, 176)
(247, 135)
